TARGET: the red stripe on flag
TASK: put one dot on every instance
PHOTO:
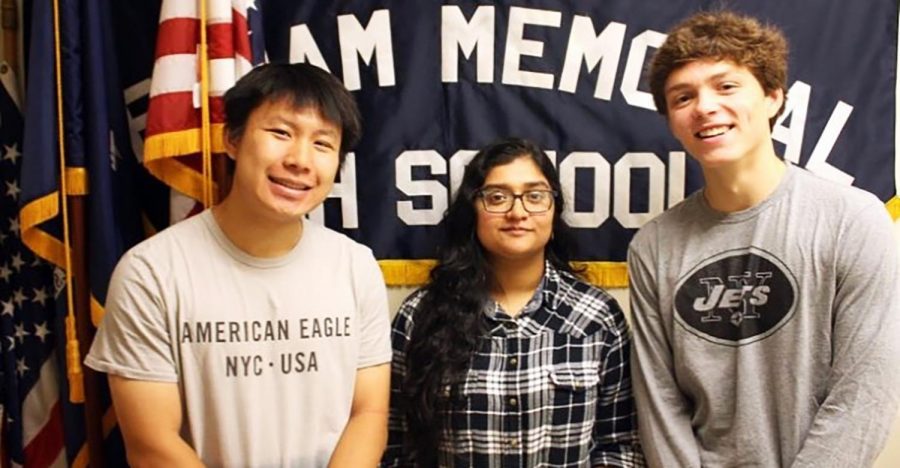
(178, 36)
(217, 109)
(172, 112)
(47, 445)
(220, 41)
(241, 33)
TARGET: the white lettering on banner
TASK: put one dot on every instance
(603, 182)
(358, 42)
(637, 57)
(676, 175)
(345, 191)
(817, 164)
(585, 46)
(655, 193)
(517, 46)
(477, 36)
(600, 209)
(458, 34)
(796, 109)
(305, 49)
(430, 188)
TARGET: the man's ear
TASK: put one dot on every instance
(775, 99)
(230, 143)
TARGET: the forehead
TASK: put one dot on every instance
(698, 72)
(285, 109)
(521, 171)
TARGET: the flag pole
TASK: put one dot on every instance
(205, 141)
(72, 189)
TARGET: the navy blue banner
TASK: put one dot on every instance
(438, 80)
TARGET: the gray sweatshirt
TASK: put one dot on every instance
(767, 337)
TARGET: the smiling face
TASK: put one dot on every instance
(720, 113)
(517, 234)
(285, 161)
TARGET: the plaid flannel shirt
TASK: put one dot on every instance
(552, 387)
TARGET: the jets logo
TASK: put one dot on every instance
(737, 297)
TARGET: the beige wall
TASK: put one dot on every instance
(890, 458)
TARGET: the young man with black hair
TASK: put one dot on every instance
(765, 305)
(246, 335)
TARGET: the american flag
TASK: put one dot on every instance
(173, 134)
(31, 413)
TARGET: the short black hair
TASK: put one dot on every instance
(303, 86)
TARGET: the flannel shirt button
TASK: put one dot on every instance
(514, 443)
(513, 361)
(513, 402)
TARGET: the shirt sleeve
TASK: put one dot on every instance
(375, 329)
(860, 399)
(133, 340)
(396, 454)
(664, 414)
(615, 434)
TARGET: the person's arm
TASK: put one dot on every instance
(363, 440)
(861, 395)
(615, 430)
(664, 415)
(149, 415)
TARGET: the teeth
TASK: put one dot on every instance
(289, 184)
(713, 131)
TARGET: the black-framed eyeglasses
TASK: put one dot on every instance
(498, 200)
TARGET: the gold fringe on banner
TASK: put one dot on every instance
(415, 272)
(893, 207)
(97, 311)
(161, 154)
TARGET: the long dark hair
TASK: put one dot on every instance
(448, 322)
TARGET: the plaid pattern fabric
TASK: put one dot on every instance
(550, 387)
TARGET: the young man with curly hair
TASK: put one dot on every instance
(765, 305)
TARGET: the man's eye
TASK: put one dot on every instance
(325, 144)
(279, 132)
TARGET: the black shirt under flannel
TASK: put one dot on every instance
(553, 388)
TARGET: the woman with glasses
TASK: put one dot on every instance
(506, 357)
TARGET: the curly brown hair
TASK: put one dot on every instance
(722, 35)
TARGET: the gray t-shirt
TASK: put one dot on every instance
(767, 337)
(264, 351)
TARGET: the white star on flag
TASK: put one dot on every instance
(17, 262)
(40, 296)
(13, 190)
(5, 272)
(11, 153)
(19, 297)
(21, 333)
(21, 368)
(8, 308)
(41, 331)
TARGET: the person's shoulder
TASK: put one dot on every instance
(169, 240)
(406, 313)
(671, 220)
(829, 195)
(329, 239)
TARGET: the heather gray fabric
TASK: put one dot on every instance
(264, 351)
(767, 337)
